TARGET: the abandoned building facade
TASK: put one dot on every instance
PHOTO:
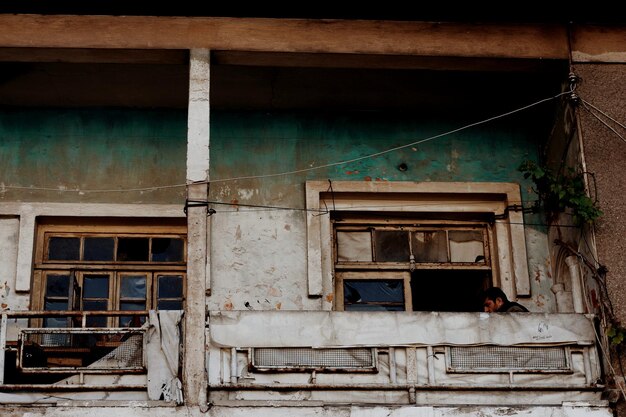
(236, 216)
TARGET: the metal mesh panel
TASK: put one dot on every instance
(56, 350)
(339, 358)
(508, 358)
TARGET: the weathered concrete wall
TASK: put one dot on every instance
(92, 150)
(258, 253)
(316, 409)
(604, 86)
(9, 233)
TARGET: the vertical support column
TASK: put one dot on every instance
(25, 251)
(3, 342)
(194, 374)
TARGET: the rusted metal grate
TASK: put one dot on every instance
(507, 359)
(309, 358)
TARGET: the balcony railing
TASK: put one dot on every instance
(116, 363)
(400, 357)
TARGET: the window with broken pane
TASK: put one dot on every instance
(448, 265)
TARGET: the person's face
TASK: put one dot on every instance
(491, 306)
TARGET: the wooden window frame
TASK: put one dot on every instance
(509, 259)
(115, 269)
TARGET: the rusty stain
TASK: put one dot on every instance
(367, 178)
(287, 227)
(228, 305)
(278, 306)
(352, 172)
(4, 305)
(537, 276)
(539, 301)
(594, 299)
(274, 292)
(330, 297)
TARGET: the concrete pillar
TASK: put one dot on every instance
(194, 374)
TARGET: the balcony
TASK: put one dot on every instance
(403, 358)
(89, 363)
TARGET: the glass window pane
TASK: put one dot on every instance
(95, 305)
(392, 246)
(55, 306)
(373, 307)
(170, 305)
(373, 291)
(96, 286)
(354, 247)
(132, 321)
(55, 322)
(430, 246)
(167, 250)
(64, 249)
(132, 306)
(133, 286)
(98, 248)
(132, 249)
(466, 246)
(170, 286)
(57, 285)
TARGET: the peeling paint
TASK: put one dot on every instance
(246, 194)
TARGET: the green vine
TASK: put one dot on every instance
(560, 192)
(616, 334)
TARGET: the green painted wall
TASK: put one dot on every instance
(121, 149)
(258, 143)
(92, 150)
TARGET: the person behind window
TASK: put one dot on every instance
(496, 301)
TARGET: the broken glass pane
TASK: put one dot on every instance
(373, 295)
(57, 285)
(96, 286)
(64, 249)
(98, 249)
(170, 286)
(354, 247)
(430, 246)
(133, 286)
(132, 249)
(392, 246)
(167, 250)
(466, 246)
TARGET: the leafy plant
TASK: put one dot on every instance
(559, 192)
(616, 334)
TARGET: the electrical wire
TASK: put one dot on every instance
(604, 122)
(297, 171)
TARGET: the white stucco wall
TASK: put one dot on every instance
(259, 261)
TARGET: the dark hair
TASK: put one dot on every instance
(493, 293)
